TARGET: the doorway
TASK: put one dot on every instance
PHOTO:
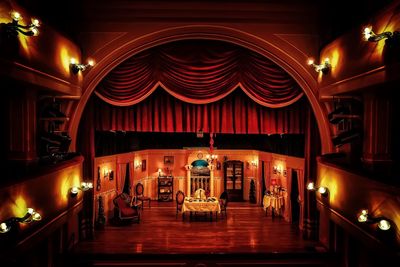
(294, 196)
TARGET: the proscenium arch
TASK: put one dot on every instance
(271, 47)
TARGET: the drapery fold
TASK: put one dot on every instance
(199, 72)
(235, 114)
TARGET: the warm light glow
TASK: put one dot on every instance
(16, 15)
(322, 190)
(72, 60)
(36, 216)
(74, 190)
(310, 186)
(91, 62)
(363, 216)
(384, 225)
(35, 31)
(367, 33)
(310, 61)
(4, 228)
(35, 22)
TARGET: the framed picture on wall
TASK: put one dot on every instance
(168, 160)
(143, 165)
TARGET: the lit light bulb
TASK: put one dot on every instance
(322, 190)
(35, 22)
(310, 186)
(72, 61)
(35, 31)
(36, 216)
(4, 228)
(384, 225)
(363, 216)
(16, 15)
(91, 62)
(74, 190)
(367, 33)
(310, 61)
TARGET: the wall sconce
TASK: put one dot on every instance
(253, 163)
(84, 187)
(76, 67)
(277, 169)
(322, 189)
(370, 36)
(106, 172)
(138, 165)
(159, 172)
(383, 223)
(323, 67)
(13, 28)
(211, 158)
(30, 216)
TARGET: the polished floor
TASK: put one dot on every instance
(246, 229)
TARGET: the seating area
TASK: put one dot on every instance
(126, 209)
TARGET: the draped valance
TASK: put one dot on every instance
(234, 114)
(199, 72)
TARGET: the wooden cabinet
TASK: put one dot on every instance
(233, 179)
(165, 188)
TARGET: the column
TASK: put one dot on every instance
(211, 180)
(188, 167)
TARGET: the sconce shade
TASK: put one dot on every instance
(4, 227)
(310, 186)
(384, 225)
(363, 216)
(322, 190)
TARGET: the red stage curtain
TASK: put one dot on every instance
(236, 113)
(199, 72)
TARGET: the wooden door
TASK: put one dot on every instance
(233, 182)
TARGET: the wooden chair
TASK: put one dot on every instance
(223, 202)
(123, 211)
(139, 189)
(179, 198)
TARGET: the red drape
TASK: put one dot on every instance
(236, 113)
(199, 72)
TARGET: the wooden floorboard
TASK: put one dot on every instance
(246, 230)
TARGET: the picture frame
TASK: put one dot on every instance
(168, 160)
(143, 165)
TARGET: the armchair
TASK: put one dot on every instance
(123, 211)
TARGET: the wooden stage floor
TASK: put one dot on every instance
(246, 230)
